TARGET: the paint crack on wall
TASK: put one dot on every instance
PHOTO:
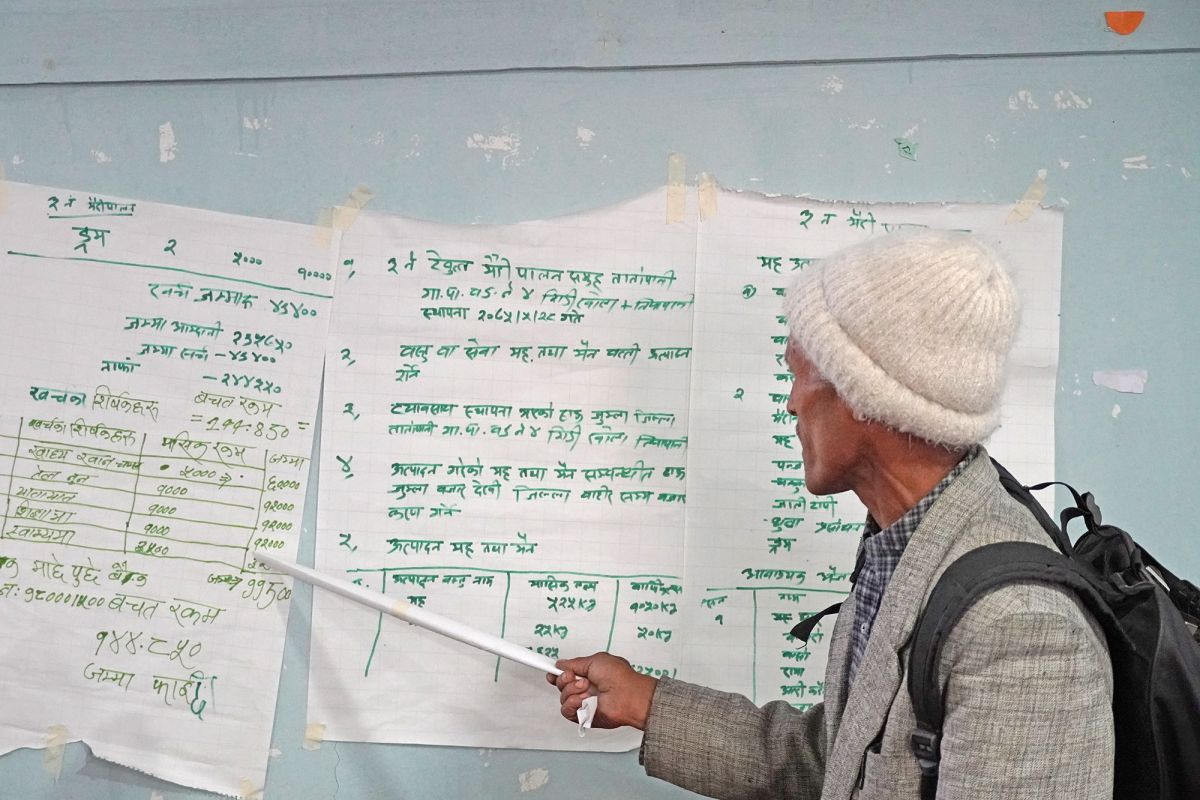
(337, 783)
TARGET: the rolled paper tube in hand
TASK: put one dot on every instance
(415, 615)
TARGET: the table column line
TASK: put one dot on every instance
(262, 487)
(12, 471)
(378, 625)
(503, 620)
(754, 649)
(613, 625)
(133, 500)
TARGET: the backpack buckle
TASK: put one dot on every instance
(927, 747)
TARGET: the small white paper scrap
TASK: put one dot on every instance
(586, 713)
(1131, 381)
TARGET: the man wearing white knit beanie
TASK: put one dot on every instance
(898, 350)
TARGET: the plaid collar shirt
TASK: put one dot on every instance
(879, 553)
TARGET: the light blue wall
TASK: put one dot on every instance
(389, 96)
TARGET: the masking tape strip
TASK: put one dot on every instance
(676, 190)
(247, 791)
(341, 217)
(56, 741)
(1028, 203)
(314, 734)
(708, 196)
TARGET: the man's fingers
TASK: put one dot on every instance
(571, 706)
(576, 666)
(576, 687)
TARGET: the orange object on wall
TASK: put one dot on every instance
(1124, 22)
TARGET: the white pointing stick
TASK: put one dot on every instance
(417, 616)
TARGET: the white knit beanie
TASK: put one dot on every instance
(913, 330)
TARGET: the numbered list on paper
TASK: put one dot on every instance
(159, 389)
(504, 442)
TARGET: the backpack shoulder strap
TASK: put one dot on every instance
(804, 628)
(963, 583)
(1024, 495)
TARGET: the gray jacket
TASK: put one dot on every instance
(1028, 691)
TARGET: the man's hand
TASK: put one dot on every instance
(625, 695)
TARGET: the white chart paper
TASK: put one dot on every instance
(424, 402)
(158, 394)
(503, 443)
(762, 552)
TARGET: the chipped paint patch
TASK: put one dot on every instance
(1116, 412)
(865, 126)
(505, 146)
(534, 779)
(1062, 162)
(100, 157)
(166, 143)
(1023, 99)
(376, 138)
(275, 752)
(1135, 162)
(18, 161)
(1067, 99)
(584, 136)
(414, 146)
(991, 140)
(833, 85)
(1182, 170)
(256, 124)
(156, 795)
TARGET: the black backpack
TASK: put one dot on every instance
(1149, 617)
